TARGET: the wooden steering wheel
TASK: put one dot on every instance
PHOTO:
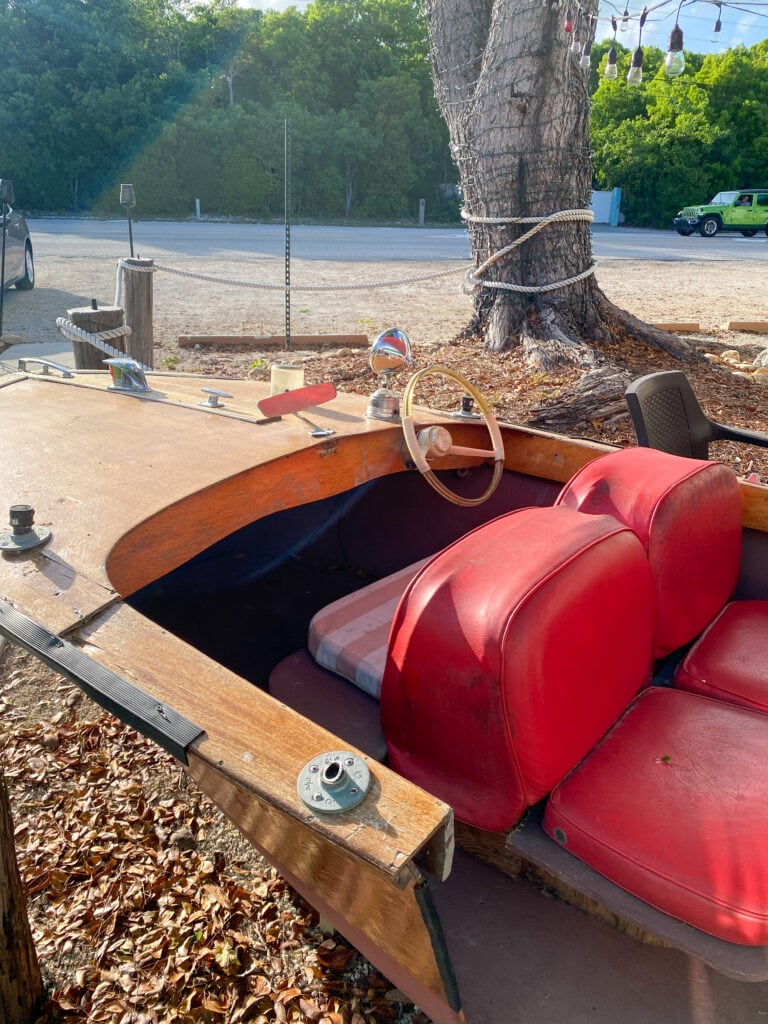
(444, 443)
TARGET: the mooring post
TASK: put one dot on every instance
(93, 319)
(138, 295)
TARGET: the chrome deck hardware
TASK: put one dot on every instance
(127, 375)
(46, 364)
(212, 401)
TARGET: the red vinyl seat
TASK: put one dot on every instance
(515, 674)
(688, 515)
(514, 664)
(671, 806)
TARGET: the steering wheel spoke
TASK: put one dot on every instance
(419, 456)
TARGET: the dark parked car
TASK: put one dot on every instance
(19, 261)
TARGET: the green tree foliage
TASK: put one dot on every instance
(672, 142)
(188, 100)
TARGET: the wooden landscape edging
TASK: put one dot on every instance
(272, 340)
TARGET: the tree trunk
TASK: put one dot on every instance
(21, 987)
(515, 99)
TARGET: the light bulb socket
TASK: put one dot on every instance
(675, 43)
(637, 58)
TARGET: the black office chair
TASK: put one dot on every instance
(667, 416)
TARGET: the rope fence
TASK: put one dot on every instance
(473, 278)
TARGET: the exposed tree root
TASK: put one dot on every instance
(587, 336)
(597, 397)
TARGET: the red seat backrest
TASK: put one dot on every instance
(512, 652)
(687, 513)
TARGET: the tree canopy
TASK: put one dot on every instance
(188, 101)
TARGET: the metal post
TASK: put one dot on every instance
(287, 235)
(128, 200)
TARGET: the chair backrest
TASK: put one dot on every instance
(667, 416)
(512, 652)
(687, 513)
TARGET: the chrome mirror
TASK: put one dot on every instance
(390, 352)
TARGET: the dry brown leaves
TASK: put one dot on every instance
(146, 906)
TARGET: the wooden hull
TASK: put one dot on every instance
(137, 489)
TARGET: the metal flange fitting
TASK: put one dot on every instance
(23, 535)
(334, 782)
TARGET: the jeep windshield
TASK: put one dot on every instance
(723, 199)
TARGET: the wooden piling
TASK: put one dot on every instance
(93, 320)
(138, 298)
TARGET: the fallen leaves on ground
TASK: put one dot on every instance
(146, 906)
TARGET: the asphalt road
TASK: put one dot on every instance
(63, 237)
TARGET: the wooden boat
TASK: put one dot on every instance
(184, 540)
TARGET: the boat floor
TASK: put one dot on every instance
(523, 956)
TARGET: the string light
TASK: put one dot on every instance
(674, 63)
(624, 20)
(717, 27)
(635, 73)
(611, 68)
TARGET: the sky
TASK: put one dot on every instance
(742, 22)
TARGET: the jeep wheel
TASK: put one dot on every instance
(749, 232)
(709, 227)
(685, 232)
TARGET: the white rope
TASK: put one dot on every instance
(121, 266)
(474, 278)
(307, 287)
(99, 341)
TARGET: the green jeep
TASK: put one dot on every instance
(745, 211)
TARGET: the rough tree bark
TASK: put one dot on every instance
(516, 104)
(21, 986)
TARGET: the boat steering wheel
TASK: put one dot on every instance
(440, 442)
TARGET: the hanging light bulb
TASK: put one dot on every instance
(625, 20)
(586, 59)
(568, 26)
(717, 27)
(576, 41)
(675, 60)
(635, 73)
(611, 69)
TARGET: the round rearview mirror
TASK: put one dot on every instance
(390, 351)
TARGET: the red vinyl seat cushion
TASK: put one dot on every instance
(673, 807)
(687, 513)
(512, 652)
(730, 659)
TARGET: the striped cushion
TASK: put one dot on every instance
(350, 636)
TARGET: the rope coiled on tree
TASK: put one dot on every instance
(475, 279)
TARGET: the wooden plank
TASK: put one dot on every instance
(677, 327)
(49, 590)
(260, 746)
(276, 341)
(749, 326)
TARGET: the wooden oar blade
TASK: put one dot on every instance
(297, 400)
